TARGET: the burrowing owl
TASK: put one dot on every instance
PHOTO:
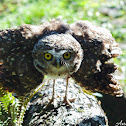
(54, 48)
(57, 55)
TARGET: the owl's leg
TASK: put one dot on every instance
(65, 98)
(52, 99)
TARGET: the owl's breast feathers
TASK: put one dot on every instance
(18, 74)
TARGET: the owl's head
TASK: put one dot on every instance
(57, 55)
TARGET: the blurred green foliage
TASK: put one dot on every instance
(106, 13)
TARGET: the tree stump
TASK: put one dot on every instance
(85, 110)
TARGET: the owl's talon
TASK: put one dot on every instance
(51, 101)
(67, 102)
(72, 100)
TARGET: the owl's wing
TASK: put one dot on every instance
(17, 73)
(95, 73)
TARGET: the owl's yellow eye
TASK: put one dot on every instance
(67, 55)
(47, 56)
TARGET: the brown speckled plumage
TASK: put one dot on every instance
(95, 74)
(18, 74)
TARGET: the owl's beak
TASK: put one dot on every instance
(57, 63)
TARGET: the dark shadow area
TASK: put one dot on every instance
(115, 108)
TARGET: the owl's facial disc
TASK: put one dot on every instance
(57, 59)
(55, 63)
